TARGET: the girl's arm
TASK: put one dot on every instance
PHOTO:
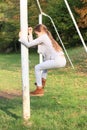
(35, 42)
(30, 42)
(30, 37)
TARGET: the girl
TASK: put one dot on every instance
(53, 56)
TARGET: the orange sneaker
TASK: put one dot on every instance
(38, 92)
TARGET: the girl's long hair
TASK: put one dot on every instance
(41, 27)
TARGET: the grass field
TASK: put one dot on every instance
(64, 105)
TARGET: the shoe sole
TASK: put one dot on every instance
(39, 95)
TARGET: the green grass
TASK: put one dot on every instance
(64, 105)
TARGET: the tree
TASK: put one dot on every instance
(82, 21)
(9, 24)
(9, 20)
(82, 17)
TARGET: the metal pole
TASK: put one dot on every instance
(75, 24)
(40, 55)
(24, 60)
(38, 3)
(59, 38)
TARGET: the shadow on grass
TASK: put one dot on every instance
(9, 104)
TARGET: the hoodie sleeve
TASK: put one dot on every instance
(32, 43)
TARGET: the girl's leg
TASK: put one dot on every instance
(49, 64)
(45, 66)
(44, 74)
(43, 78)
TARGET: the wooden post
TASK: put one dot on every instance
(24, 60)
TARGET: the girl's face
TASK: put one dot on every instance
(37, 33)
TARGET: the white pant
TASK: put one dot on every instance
(58, 62)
